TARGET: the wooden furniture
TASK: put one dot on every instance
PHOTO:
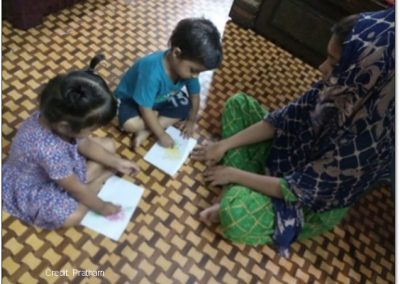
(25, 14)
(303, 26)
(300, 26)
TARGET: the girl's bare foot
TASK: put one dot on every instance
(210, 215)
(139, 138)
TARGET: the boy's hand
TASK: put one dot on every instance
(126, 167)
(166, 141)
(188, 128)
(109, 209)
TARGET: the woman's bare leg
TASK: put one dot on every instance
(210, 215)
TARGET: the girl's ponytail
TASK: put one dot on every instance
(93, 63)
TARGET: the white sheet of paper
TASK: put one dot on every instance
(120, 192)
(170, 160)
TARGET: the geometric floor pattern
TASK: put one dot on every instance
(164, 241)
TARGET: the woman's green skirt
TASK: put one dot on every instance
(246, 215)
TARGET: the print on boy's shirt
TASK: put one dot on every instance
(178, 98)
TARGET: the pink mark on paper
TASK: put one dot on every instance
(118, 216)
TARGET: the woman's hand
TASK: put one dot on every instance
(210, 152)
(126, 167)
(166, 141)
(219, 175)
(188, 128)
(109, 209)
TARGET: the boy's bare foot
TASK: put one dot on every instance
(210, 215)
(139, 138)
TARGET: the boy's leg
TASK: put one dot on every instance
(240, 112)
(142, 135)
(128, 116)
(169, 113)
(131, 122)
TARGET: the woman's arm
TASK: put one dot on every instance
(258, 132)
(213, 152)
(220, 175)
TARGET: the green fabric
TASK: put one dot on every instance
(248, 216)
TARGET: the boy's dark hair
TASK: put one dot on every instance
(343, 28)
(80, 98)
(199, 40)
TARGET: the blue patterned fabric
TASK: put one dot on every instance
(337, 140)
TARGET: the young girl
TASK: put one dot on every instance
(46, 179)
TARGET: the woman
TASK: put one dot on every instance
(295, 173)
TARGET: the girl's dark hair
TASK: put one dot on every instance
(80, 98)
(343, 28)
(199, 40)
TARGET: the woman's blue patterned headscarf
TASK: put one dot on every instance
(337, 140)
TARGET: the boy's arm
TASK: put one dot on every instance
(151, 121)
(189, 123)
(195, 99)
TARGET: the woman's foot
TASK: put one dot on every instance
(139, 138)
(210, 215)
(217, 199)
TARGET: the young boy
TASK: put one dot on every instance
(150, 92)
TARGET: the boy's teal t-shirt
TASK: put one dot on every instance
(148, 83)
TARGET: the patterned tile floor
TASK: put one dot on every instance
(165, 242)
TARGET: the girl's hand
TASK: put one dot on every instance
(210, 152)
(126, 167)
(219, 175)
(109, 209)
(166, 141)
(188, 128)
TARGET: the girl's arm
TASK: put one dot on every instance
(86, 196)
(220, 175)
(94, 151)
